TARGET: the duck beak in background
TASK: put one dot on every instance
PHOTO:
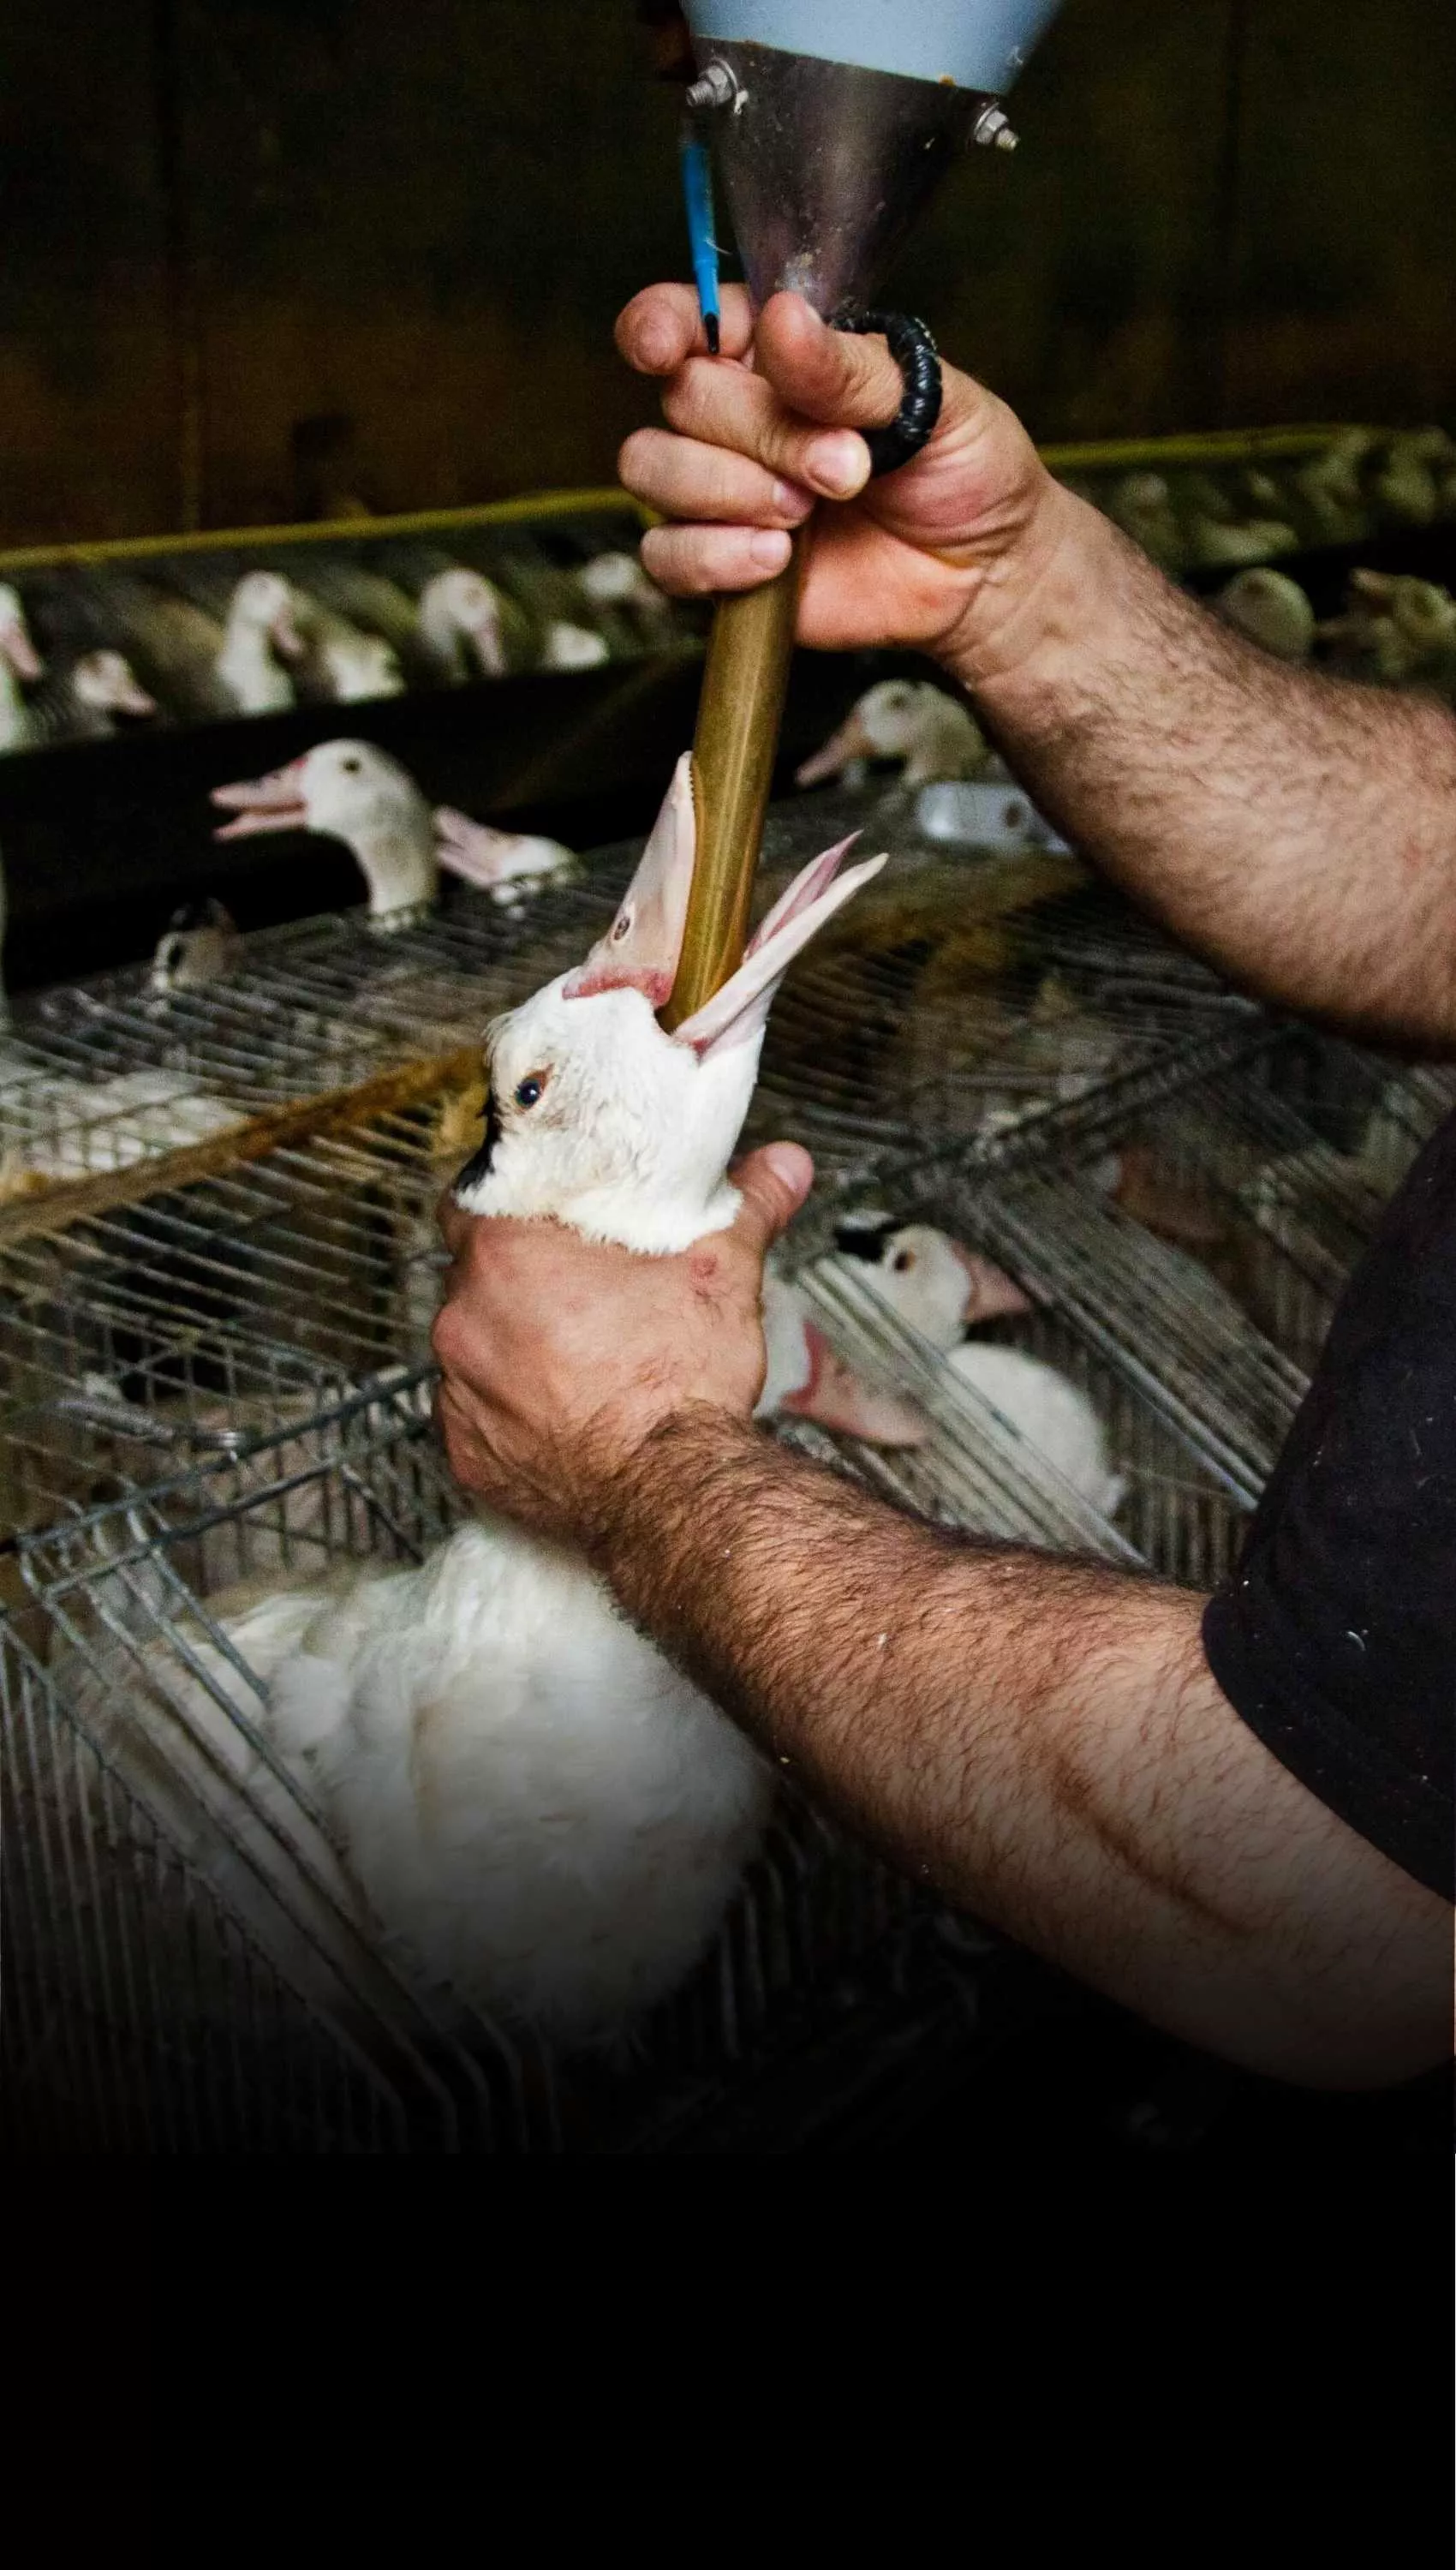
(835, 1397)
(992, 1296)
(272, 802)
(849, 742)
(287, 635)
(129, 696)
(17, 648)
(641, 947)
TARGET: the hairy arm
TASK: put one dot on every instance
(1042, 1737)
(1297, 829)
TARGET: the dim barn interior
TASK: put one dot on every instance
(587, 593)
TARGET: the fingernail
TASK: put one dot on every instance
(791, 501)
(655, 348)
(837, 464)
(791, 1165)
(769, 549)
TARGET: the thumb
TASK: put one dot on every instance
(773, 1183)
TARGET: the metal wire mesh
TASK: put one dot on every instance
(227, 1381)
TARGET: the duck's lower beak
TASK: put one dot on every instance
(849, 742)
(272, 802)
(18, 648)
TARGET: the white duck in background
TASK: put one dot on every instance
(537, 1809)
(572, 646)
(508, 864)
(938, 1289)
(90, 699)
(461, 627)
(1272, 610)
(262, 642)
(617, 583)
(349, 790)
(337, 662)
(935, 736)
(20, 663)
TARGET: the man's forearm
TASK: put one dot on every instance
(1298, 830)
(1038, 1736)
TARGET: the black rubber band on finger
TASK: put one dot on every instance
(919, 359)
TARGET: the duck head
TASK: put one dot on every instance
(932, 1284)
(106, 684)
(891, 721)
(266, 606)
(594, 1113)
(461, 605)
(349, 790)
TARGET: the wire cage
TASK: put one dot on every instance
(226, 1380)
(227, 1383)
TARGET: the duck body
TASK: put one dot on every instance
(535, 1808)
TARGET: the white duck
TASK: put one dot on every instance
(461, 627)
(19, 663)
(261, 642)
(572, 646)
(508, 864)
(1270, 609)
(938, 1288)
(338, 662)
(349, 790)
(536, 1808)
(617, 583)
(910, 719)
(89, 701)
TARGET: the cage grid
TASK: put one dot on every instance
(230, 1380)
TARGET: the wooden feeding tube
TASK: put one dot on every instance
(739, 714)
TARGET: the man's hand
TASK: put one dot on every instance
(560, 1356)
(947, 555)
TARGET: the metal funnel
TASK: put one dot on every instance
(835, 118)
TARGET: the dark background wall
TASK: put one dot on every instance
(264, 255)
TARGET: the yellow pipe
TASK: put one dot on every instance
(420, 522)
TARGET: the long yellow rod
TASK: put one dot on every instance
(740, 713)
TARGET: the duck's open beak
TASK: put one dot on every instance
(849, 742)
(272, 802)
(641, 949)
(18, 648)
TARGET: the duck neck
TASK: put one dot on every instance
(14, 711)
(399, 866)
(247, 666)
(444, 641)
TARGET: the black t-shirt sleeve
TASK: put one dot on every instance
(1335, 1636)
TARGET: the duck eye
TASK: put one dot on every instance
(530, 1089)
(621, 926)
(904, 1261)
(351, 766)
